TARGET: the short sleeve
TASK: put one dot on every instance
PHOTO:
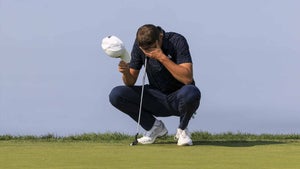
(136, 61)
(182, 50)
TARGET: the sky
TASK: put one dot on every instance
(55, 78)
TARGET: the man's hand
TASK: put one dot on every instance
(129, 75)
(123, 67)
(182, 72)
(154, 52)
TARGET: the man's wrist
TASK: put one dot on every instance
(163, 58)
(126, 73)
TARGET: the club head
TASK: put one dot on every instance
(135, 142)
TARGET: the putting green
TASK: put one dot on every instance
(205, 155)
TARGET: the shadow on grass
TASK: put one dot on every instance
(227, 143)
(237, 143)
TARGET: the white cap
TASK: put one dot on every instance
(115, 48)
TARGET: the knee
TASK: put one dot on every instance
(191, 93)
(115, 95)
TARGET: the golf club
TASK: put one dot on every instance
(115, 48)
(135, 142)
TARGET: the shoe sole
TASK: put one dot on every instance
(160, 135)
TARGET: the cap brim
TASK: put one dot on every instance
(126, 57)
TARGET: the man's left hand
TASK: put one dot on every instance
(154, 53)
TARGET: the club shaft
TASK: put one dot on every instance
(142, 95)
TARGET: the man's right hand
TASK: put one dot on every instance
(123, 67)
(129, 75)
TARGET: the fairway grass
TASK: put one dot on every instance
(29, 154)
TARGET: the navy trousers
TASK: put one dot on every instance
(182, 103)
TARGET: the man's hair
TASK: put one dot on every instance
(147, 35)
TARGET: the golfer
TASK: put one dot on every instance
(171, 90)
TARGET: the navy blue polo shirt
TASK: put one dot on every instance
(176, 48)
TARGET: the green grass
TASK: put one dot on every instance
(119, 137)
(112, 150)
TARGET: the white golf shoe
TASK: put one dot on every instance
(183, 137)
(158, 130)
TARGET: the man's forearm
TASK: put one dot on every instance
(182, 72)
(130, 77)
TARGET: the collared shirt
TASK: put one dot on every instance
(176, 48)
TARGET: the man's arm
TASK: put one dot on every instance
(129, 75)
(182, 72)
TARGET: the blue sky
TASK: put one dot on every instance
(54, 77)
